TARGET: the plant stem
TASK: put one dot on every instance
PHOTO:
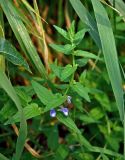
(72, 78)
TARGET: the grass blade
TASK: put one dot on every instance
(110, 54)
(11, 54)
(2, 157)
(86, 18)
(22, 35)
(6, 85)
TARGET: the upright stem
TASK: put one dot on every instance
(72, 78)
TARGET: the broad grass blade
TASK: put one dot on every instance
(6, 85)
(110, 53)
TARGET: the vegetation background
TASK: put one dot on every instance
(62, 80)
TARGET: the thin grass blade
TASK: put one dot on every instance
(110, 54)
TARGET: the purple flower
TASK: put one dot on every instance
(69, 99)
(65, 111)
(52, 113)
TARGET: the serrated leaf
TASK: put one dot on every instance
(43, 93)
(30, 111)
(66, 49)
(79, 36)
(67, 71)
(82, 91)
(7, 111)
(11, 54)
(62, 32)
(86, 54)
(55, 102)
(63, 72)
(56, 69)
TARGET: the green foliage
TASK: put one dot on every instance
(72, 106)
(12, 54)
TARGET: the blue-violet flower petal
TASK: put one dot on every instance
(65, 111)
(52, 113)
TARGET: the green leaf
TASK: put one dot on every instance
(62, 32)
(81, 62)
(79, 36)
(7, 111)
(96, 113)
(24, 97)
(63, 72)
(110, 54)
(12, 54)
(71, 31)
(43, 93)
(2, 157)
(52, 137)
(6, 85)
(67, 71)
(87, 119)
(105, 157)
(86, 18)
(82, 91)
(57, 101)
(66, 49)
(22, 35)
(71, 125)
(30, 111)
(56, 69)
(61, 153)
(86, 54)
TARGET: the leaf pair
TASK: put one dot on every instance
(63, 72)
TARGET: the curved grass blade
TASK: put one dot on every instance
(12, 54)
(86, 18)
(22, 35)
(2, 157)
(110, 54)
(6, 85)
